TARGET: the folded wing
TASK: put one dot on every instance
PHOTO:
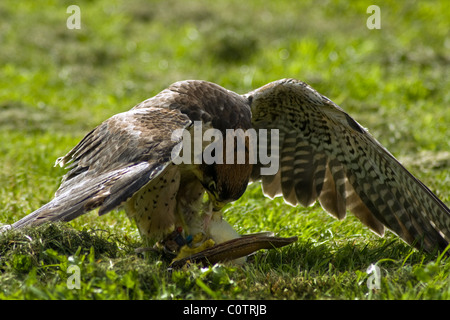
(112, 163)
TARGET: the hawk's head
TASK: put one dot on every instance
(225, 182)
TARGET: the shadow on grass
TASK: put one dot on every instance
(310, 256)
(322, 258)
(304, 270)
(27, 248)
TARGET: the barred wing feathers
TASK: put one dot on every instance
(327, 156)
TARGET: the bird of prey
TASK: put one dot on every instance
(323, 154)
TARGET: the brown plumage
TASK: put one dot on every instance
(324, 155)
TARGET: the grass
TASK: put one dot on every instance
(57, 84)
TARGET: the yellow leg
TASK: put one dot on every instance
(186, 251)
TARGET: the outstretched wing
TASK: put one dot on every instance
(112, 163)
(327, 156)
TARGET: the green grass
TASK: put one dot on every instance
(57, 84)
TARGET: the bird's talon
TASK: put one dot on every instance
(198, 239)
(187, 251)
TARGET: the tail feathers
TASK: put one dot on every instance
(106, 192)
(52, 211)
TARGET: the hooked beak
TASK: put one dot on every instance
(216, 205)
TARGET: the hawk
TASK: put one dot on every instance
(323, 154)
